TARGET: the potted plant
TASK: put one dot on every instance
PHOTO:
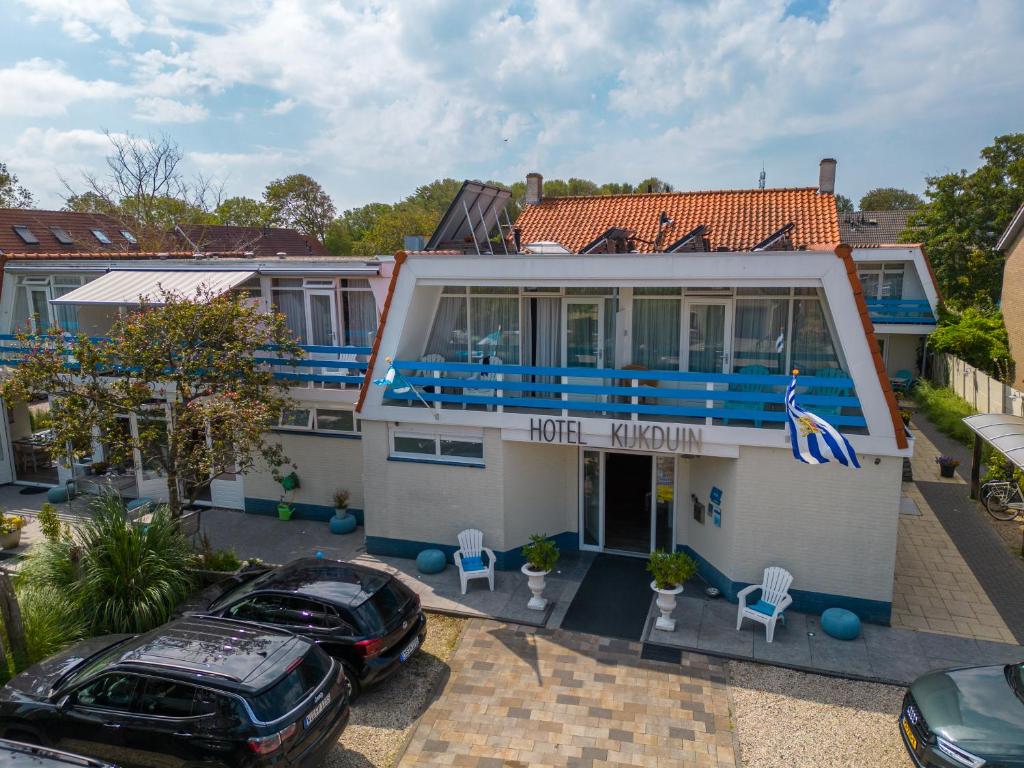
(947, 464)
(10, 530)
(541, 555)
(341, 497)
(670, 571)
(284, 508)
(906, 414)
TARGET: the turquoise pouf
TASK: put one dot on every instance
(345, 524)
(430, 561)
(840, 624)
(57, 495)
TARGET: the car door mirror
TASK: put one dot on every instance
(64, 704)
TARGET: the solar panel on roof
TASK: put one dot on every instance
(26, 234)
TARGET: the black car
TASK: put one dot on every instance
(366, 619)
(969, 717)
(197, 691)
(23, 755)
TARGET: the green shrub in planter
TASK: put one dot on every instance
(541, 553)
(671, 569)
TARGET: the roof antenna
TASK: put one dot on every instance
(761, 178)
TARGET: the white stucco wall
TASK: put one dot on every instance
(901, 353)
(699, 475)
(323, 465)
(541, 490)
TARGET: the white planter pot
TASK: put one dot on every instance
(535, 580)
(666, 604)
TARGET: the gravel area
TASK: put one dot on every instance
(384, 716)
(787, 719)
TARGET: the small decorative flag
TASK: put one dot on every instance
(780, 343)
(812, 437)
(393, 379)
(493, 339)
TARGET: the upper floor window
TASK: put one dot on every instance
(32, 309)
(881, 281)
(129, 236)
(327, 312)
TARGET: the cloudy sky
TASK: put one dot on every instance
(374, 98)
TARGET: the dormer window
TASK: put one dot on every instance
(100, 235)
(62, 235)
(129, 237)
(26, 234)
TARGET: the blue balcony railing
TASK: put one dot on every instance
(901, 311)
(725, 398)
(321, 364)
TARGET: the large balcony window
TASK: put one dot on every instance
(33, 312)
(327, 311)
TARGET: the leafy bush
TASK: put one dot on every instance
(541, 553)
(671, 569)
(51, 563)
(976, 336)
(49, 521)
(132, 577)
(945, 409)
(51, 620)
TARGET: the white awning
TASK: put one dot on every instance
(1003, 432)
(131, 286)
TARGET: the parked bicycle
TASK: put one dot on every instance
(1003, 500)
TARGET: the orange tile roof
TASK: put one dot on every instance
(736, 219)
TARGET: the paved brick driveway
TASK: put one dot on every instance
(519, 696)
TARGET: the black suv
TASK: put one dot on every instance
(196, 691)
(365, 618)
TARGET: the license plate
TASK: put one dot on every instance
(317, 710)
(409, 650)
(911, 738)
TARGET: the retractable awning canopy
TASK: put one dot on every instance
(1002, 432)
(126, 286)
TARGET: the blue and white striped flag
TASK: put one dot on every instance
(780, 342)
(813, 438)
(393, 379)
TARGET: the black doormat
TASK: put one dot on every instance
(613, 598)
(32, 490)
(661, 653)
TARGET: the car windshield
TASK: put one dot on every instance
(300, 680)
(243, 589)
(93, 664)
(384, 606)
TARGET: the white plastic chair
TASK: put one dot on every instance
(469, 558)
(773, 601)
(485, 392)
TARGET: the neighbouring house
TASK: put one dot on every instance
(1011, 243)
(28, 231)
(860, 228)
(258, 242)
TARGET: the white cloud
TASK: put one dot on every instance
(81, 18)
(43, 156)
(39, 88)
(154, 109)
(282, 107)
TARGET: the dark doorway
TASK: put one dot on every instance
(627, 502)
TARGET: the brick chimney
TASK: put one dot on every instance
(534, 189)
(827, 176)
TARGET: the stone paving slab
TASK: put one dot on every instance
(539, 697)
(881, 654)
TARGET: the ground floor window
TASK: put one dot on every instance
(320, 420)
(457, 447)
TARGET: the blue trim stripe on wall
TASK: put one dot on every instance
(507, 560)
(302, 511)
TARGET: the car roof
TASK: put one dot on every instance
(34, 756)
(332, 581)
(226, 654)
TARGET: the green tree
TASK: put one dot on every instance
(299, 201)
(844, 204)
(387, 233)
(963, 219)
(196, 355)
(244, 212)
(977, 336)
(12, 193)
(89, 202)
(653, 184)
(890, 199)
(616, 188)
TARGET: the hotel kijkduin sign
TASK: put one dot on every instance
(649, 437)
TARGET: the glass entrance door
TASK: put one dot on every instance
(321, 318)
(710, 335)
(583, 342)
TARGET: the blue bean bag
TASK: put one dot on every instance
(431, 561)
(57, 495)
(840, 624)
(342, 525)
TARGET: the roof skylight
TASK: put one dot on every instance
(128, 236)
(62, 235)
(26, 234)
(100, 235)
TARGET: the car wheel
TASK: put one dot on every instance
(352, 683)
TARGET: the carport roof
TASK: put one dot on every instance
(1004, 433)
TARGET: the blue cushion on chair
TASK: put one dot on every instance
(473, 564)
(763, 606)
(840, 624)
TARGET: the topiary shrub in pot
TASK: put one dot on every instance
(670, 571)
(541, 556)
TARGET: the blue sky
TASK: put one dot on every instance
(372, 99)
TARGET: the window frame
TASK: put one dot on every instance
(102, 237)
(437, 437)
(27, 235)
(312, 425)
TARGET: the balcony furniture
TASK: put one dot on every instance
(840, 624)
(769, 607)
(431, 358)
(830, 372)
(746, 405)
(431, 561)
(469, 558)
(345, 357)
(109, 483)
(902, 380)
(484, 376)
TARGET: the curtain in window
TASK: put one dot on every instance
(892, 285)
(20, 320)
(360, 316)
(757, 327)
(289, 303)
(449, 335)
(812, 345)
(321, 323)
(66, 314)
(495, 324)
(611, 308)
(656, 334)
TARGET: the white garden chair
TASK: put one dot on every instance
(485, 391)
(774, 600)
(469, 558)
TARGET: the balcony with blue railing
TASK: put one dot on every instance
(900, 312)
(731, 399)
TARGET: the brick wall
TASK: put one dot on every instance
(1013, 306)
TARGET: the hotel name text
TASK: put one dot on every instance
(650, 437)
